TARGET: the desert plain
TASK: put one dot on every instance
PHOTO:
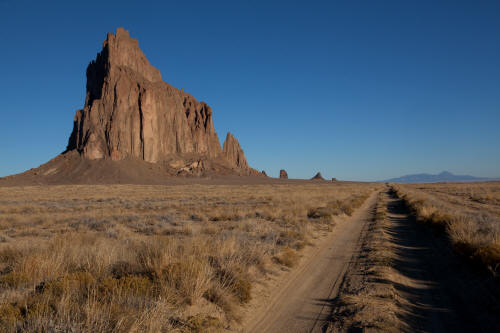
(213, 258)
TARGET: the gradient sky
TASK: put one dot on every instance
(359, 90)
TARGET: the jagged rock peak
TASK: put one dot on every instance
(122, 50)
(318, 176)
(200, 121)
(283, 174)
(233, 153)
(130, 112)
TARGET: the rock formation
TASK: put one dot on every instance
(130, 112)
(283, 174)
(318, 176)
(263, 173)
(334, 179)
(233, 153)
(136, 129)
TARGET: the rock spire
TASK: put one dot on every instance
(129, 112)
(233, 153)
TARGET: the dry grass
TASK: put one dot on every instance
(151, 258)
(469, 214)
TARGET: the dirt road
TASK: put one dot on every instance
(430, 289)
(300, 304)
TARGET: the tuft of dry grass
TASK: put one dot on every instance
(469, 214)
(150, 258)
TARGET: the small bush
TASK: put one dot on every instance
(136, 285)
(201, 323)
(233, 280)
(287, 257)
(319, 213)
(242, 289)
(123, 268)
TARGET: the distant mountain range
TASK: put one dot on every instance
(444, 176)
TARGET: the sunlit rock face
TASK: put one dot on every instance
(233, 153)
(130, 112)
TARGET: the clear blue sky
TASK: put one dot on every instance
(359, 90)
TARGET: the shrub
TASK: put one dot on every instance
(319, 213)
(287, 257)
(242, 289)
(201, 323)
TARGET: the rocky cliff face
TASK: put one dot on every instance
(130, 112)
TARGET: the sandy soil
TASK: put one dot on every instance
(300, 300)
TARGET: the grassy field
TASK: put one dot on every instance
(469, 214)
(152, 258)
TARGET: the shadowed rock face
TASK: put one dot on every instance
(283, 174)
(130, 112)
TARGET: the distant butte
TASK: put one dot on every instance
(318, 176)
